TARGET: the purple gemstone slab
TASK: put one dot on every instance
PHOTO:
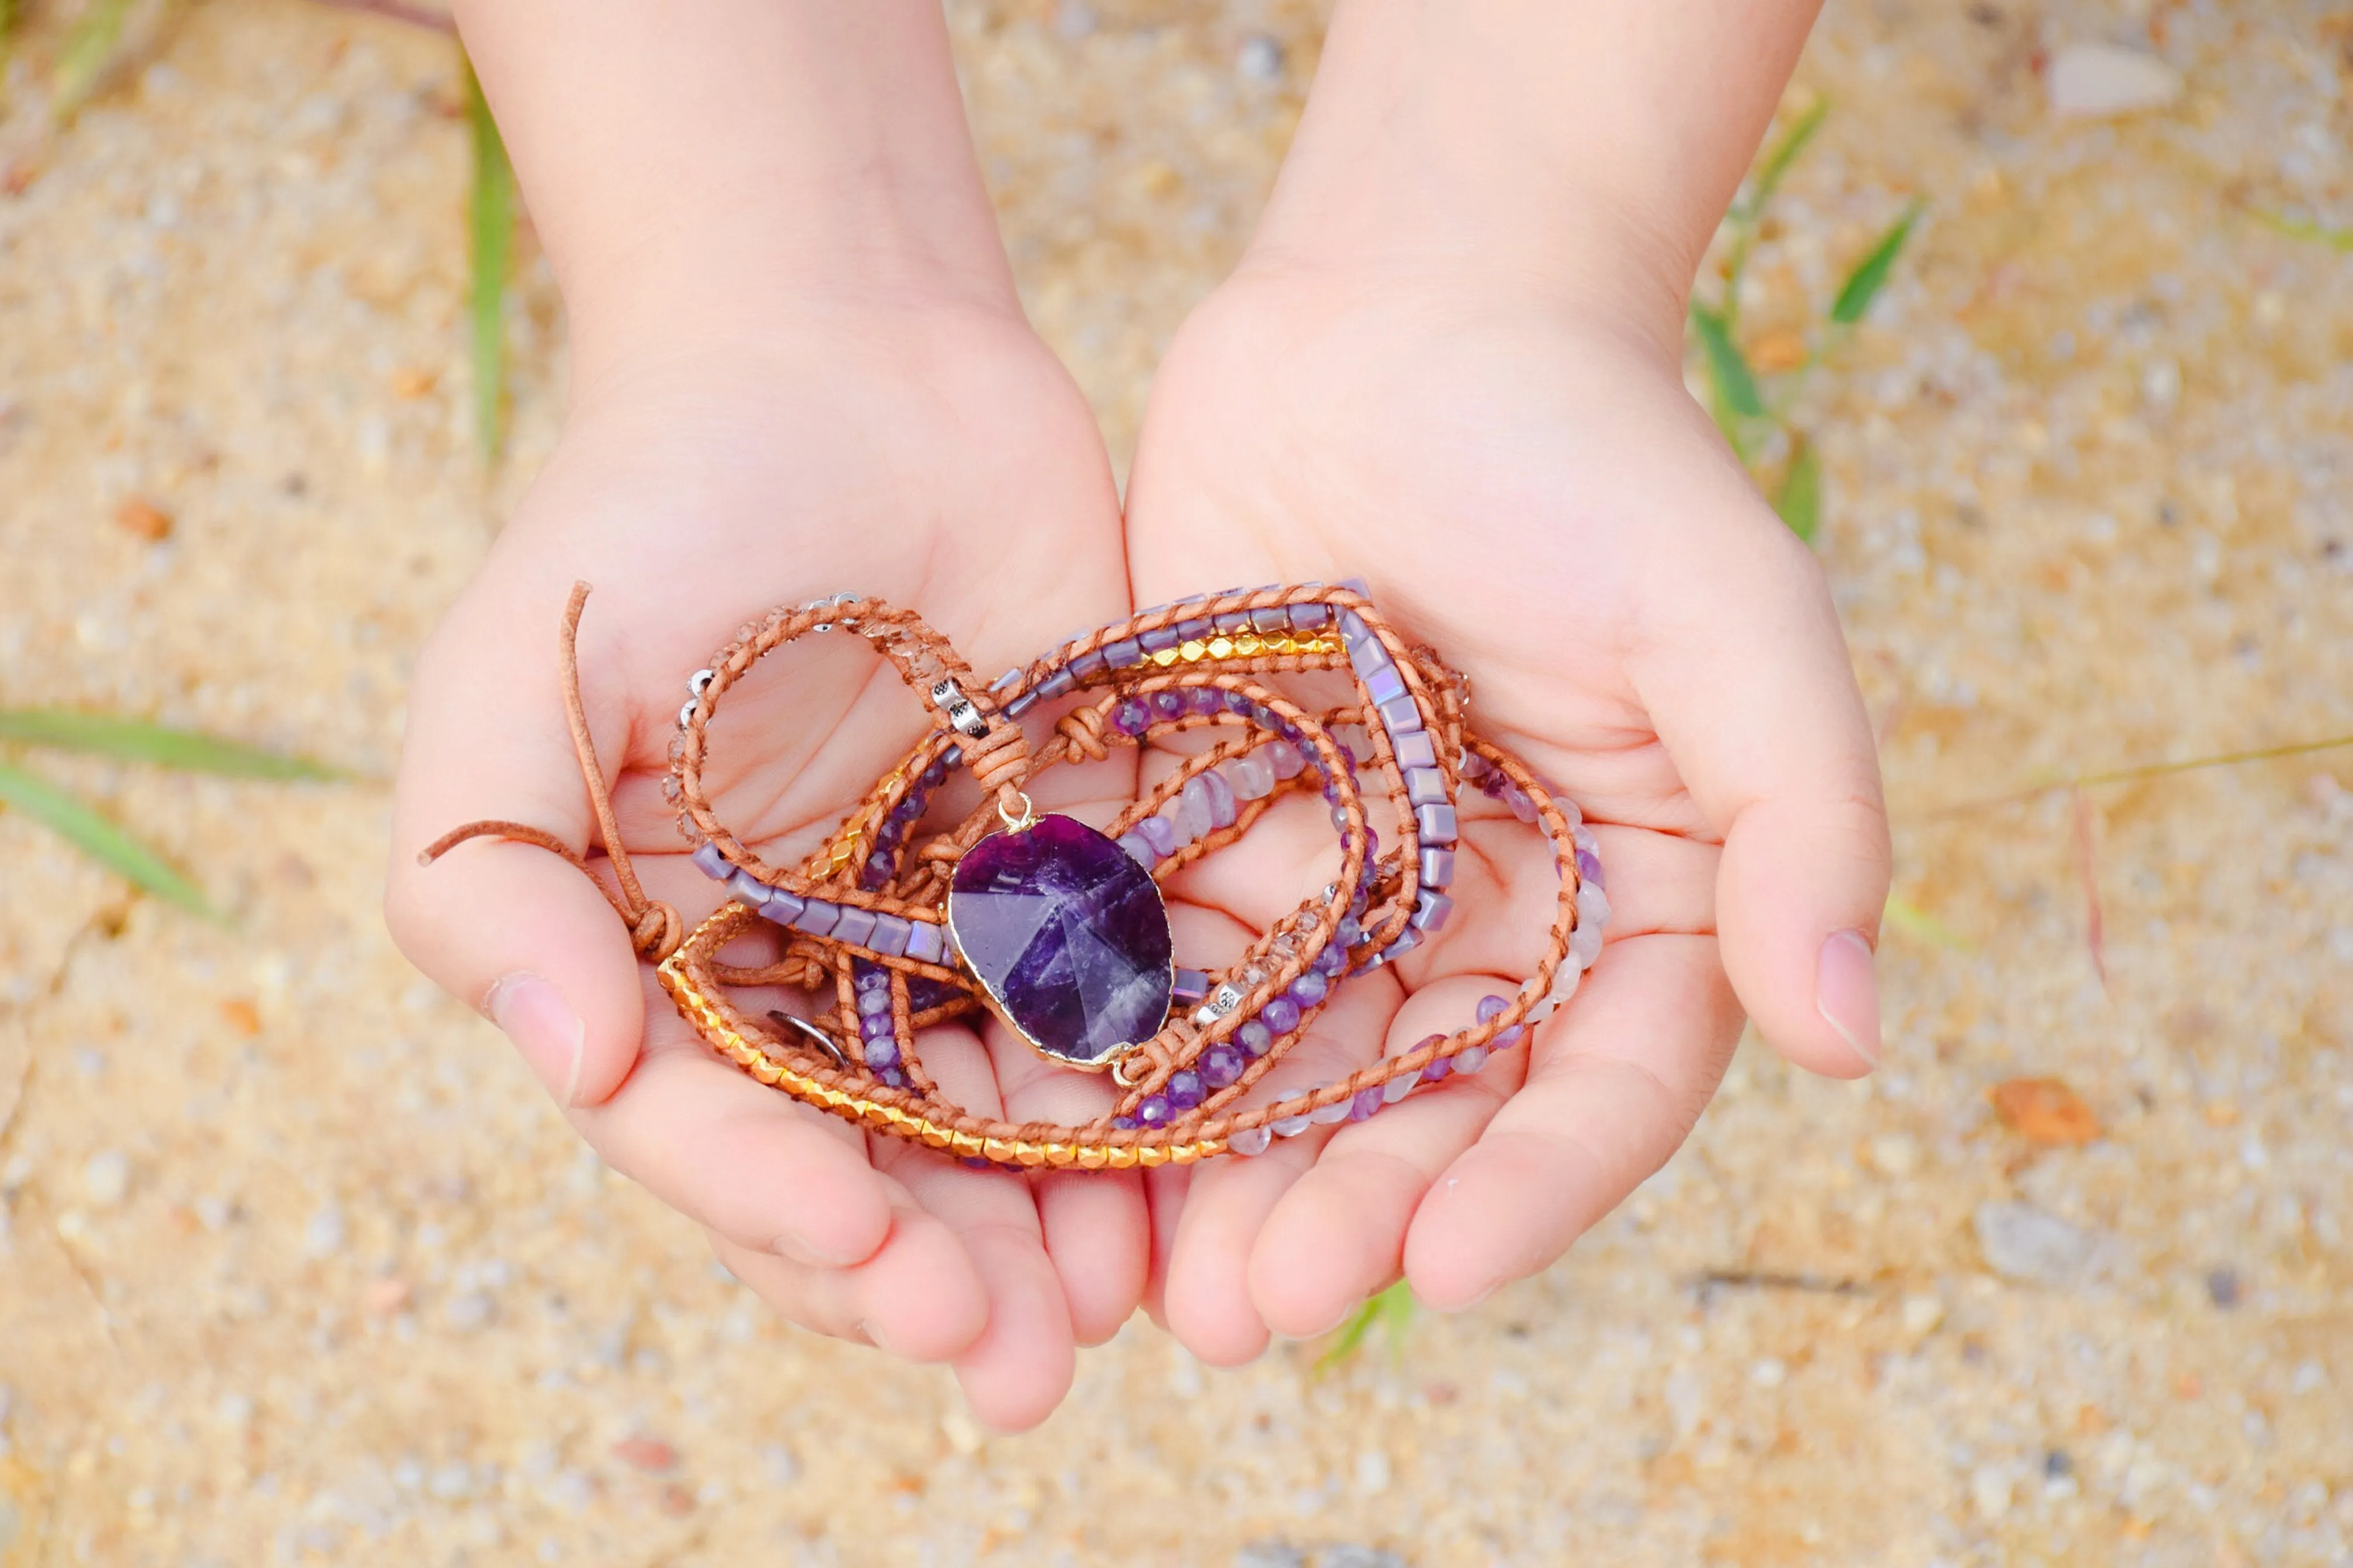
(1069, 936)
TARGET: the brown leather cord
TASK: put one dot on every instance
(655, 929)
(1001, 759)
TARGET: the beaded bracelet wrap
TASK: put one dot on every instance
(1058, 928)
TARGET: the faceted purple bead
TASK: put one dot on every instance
(1168, 704)
(873, 1000)
(882, 1052)
(1153, 1112)
(1131, 718)
(1185, 1090)
(1282, 1015)
(1310, 988)
(1254, 1037)
(875, 1025)
(1205, 700)
(1223, 1065)
(1069, 935)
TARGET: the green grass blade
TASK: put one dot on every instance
(1870, 275)
(89, 46)
(101, 840)
(136, 740)
(1799, 498)
(1728, 367)
(490, 223)
(1918, 923)
(1392, 1311)
(2337, 240)
(1776, 162)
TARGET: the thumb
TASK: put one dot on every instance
(1746, 679)
(509, 928)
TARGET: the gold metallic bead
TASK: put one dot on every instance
(1222, 648)
(965, 1144)
(1282, 645)
(1030, 1154)
(1123, 1157)
(936, 1136)
(1246, 646)
(1152, 1155)
(1093, 1157)
(997, 1151)
(1059, 1155)
(1191, 652)
(1165, 657)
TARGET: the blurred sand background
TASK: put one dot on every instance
(297, 1265)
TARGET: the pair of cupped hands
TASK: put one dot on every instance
(1524, 485)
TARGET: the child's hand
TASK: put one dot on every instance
(1537, 497)
(799, 368)
(1477, 405)
(937, 461)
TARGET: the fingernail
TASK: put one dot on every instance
(543, 1027)
(873, 1336)
(1846, 992)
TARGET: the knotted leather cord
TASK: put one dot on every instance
(690, 974)
(655, 929)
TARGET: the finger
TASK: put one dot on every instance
(1338, 1235)
(919, 1297)
(1022, 1366)
(510, 929)
(1746, 676)
(739, 1159)
(1094, 1224)
(1206, 1295)
(1618, 1079)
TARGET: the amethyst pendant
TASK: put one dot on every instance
(1069, 936)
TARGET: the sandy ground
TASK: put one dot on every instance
(297, 1266)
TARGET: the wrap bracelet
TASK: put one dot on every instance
(1058, 928)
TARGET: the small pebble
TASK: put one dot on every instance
(1260, 59)
(2023, 1242)
(106, 1178)
(2094, 80)
(325, 1234)
(2222, 1288)
(470, 1312)
(650, 1455)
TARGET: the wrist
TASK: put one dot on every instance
(694, 179)
(1584, 151)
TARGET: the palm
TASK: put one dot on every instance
(1537, 497)
(946, 464)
